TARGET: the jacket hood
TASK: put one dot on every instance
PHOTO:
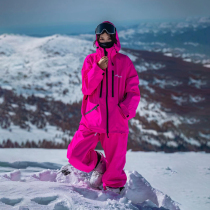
(117, 46)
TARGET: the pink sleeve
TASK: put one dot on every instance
(132, 92)
(92, 75)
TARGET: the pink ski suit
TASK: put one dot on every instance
(111, 97)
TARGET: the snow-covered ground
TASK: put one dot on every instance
(30, 179)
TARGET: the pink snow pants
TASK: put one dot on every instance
(82, 156)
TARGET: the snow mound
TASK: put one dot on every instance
(52, 189)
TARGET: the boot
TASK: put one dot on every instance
(118, 190)
(98, 171)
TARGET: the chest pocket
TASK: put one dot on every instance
(112, 83)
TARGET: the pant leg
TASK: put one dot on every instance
(115, 149)
(80, 152)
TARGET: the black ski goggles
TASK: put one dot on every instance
(110, 29)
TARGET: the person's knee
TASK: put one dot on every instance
(70, 153)
(74, 155)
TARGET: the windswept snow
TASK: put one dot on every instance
(196, 83)
(30, 179)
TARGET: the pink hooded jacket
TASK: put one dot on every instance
(111, 95)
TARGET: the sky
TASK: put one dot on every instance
(77, 16)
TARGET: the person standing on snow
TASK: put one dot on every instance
(110, 85)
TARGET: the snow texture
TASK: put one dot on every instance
(32, 179)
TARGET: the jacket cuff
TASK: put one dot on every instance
(95, 66)
(124, 110)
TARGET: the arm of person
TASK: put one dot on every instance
(132, 93)
(92, 75)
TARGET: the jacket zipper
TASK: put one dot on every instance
(107, 96)
(101, 88)
(95, 107)
(112, 83)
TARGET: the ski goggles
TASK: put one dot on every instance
(110, 29)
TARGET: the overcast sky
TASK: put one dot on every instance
(16, 14)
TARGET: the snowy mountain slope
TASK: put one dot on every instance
(36, 65)
(175, 102)
(40, 96)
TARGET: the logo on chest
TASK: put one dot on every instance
(118, 76)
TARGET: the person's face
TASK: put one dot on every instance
(105, 38)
